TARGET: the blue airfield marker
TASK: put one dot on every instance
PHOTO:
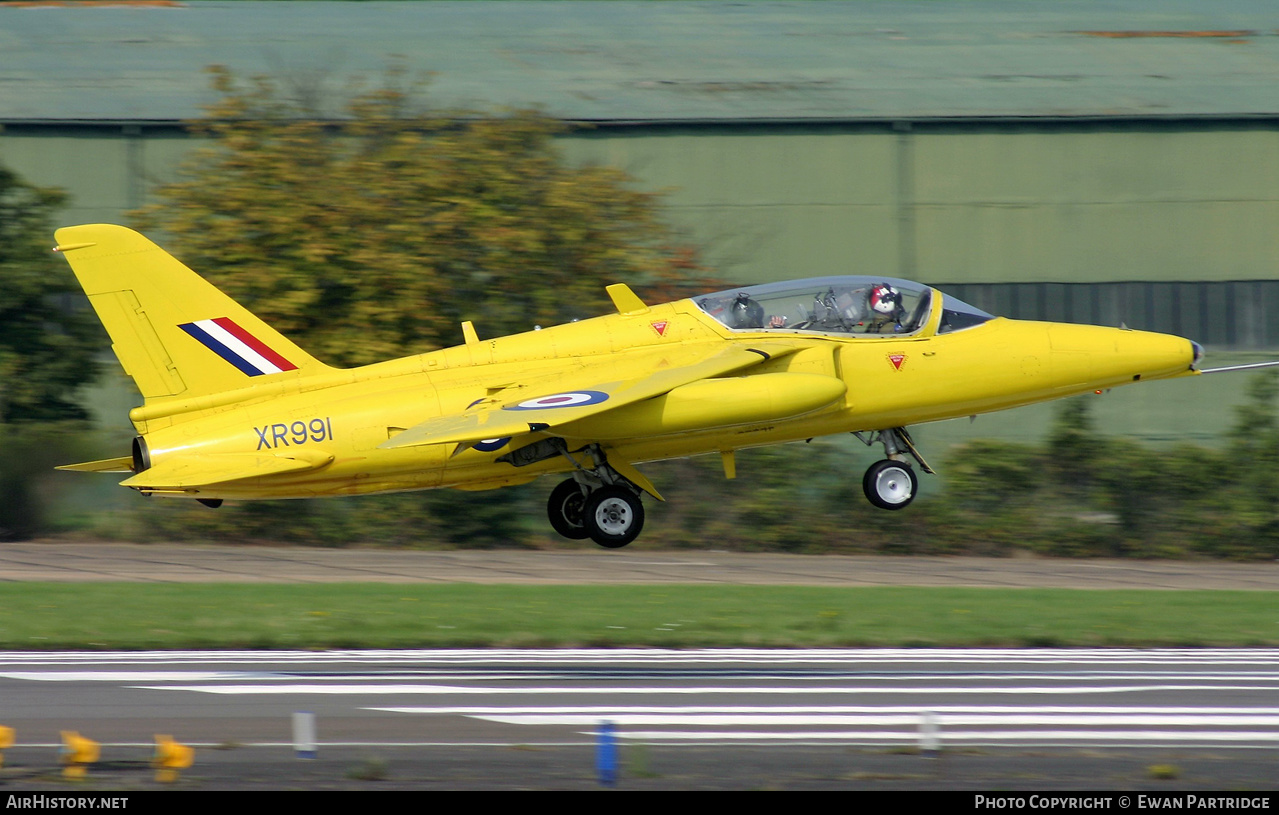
(606, 755)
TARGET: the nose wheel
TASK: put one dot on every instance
(890, 484)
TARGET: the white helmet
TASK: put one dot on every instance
(884, 299)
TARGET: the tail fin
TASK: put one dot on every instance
(173, 331)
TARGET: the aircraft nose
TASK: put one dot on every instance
(1199, 352)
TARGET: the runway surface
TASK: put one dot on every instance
(699, 719)
(939, 719)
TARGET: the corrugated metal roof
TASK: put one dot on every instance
(665, 61)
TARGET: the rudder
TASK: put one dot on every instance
(174, 333)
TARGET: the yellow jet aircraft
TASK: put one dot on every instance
(233, 410)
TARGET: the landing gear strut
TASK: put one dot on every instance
(597, 503)
(892, 483)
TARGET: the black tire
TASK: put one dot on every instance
(890, 484)
(565, 508)
(614, 516)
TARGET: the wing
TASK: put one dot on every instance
(577, 400)
(214, 468)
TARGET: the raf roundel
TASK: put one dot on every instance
(561, 400)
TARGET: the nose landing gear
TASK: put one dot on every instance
(892, 483)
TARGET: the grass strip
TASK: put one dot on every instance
(276, 616)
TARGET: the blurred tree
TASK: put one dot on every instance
(986, 474)
(373, 234)
(1255, 434)
(1254, 464)
(1073, 442)
(48, 339)
(48, 336)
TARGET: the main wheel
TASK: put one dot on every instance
(565, 508)
(890, 484)
(614, 516)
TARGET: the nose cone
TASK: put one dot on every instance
(1146, 355)
(1113, 356)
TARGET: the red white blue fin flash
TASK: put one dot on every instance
(228, 340)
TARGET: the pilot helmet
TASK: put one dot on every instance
(884, 299)
(746, 313)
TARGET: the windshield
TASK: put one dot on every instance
(956, 315)
(832, 305)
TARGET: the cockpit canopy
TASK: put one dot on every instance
(838, 305)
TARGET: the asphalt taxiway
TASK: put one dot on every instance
(172, 563)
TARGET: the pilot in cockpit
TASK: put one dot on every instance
(745, 313)
(850, 306)
(886, 308)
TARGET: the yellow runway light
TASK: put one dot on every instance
(6, 741)
(77, 753)
(169, 758)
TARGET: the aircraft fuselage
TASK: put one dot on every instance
(234, 409)
(829, 385)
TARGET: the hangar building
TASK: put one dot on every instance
(1105, 162)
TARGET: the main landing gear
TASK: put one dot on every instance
(599, 504)
(892, 483)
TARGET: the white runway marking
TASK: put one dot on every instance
(782, 696)
(1076, 724)
(882, 720)
(598, 711)
(122, 676)
(989, 738)
(660, 690)
(853, 657)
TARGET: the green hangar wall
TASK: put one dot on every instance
(972, 203)
(1169, 225)
(1096, 162)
